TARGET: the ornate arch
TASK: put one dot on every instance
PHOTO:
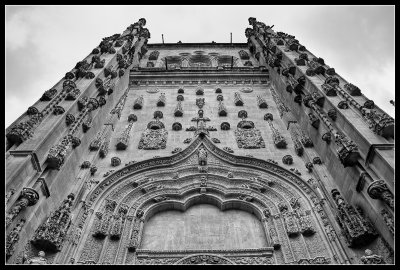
(275, 195)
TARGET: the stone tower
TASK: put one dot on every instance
(201, 153)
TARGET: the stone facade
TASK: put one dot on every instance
(206, 153)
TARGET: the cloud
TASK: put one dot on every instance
(44, 42)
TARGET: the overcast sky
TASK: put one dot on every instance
(44, 42)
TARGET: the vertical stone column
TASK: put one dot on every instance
(28, 197)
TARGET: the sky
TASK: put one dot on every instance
(45, 42)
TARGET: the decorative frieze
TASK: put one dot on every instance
(356, 229)
(238, 99)
(379, 190)
(51, 234)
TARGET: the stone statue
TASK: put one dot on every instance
(36, 260)
(202, 154)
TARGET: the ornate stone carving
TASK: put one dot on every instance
(388, 218)
(244, 55)
(102, 223)
(138, 104)
(343, 105)
(247, 136)
(228, 149)
(13, 237)
(73, 94)
(69, 119)
(356, 229)
(238, 99)
(199, 91)
(178, 110)
(57, 153)
(154, 55)
(352, 89)
(202, 156)
(104, 149)
(279, 140)
(268, 116)
(327, 137)
(309, 166)
(133, 243)
(274, 239)
(158, 114)
(215, 140)
(87, 123)
(347, 150)
(329, 90)
(119, 219)
(123, 140)
(218, 91)
(82, 102)
(225, 126)
(85, 165)
(306, 140)
(161, 100)
(176, 150)
(317, 160)
(332, 114)
(115, 161)
(220, 98)
(371, 258)
(288, 160)
(154, 137)
(261, 102)
(369, 104)
(200, 102)
(222, 109)
(379, 190)
(93, 170)
(75, 141)
(181, 91)
(179, 98)
(242, 114)
(176, 126)
(49, 95)
(187, 140)
(316, 260)
(40, 259)
(291, 226)
(58, 110)
(204, 259)
(380, 123)
(51, 234)
(314, 120)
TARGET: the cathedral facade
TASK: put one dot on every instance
(201, 153)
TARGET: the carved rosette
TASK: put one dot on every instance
(378, 190)
(51, 234)
(288, 160)
(357, 230)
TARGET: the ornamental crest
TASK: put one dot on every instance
(248, 137)
(153, 139)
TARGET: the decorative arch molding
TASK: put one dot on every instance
(147, 187)
(204, 259)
